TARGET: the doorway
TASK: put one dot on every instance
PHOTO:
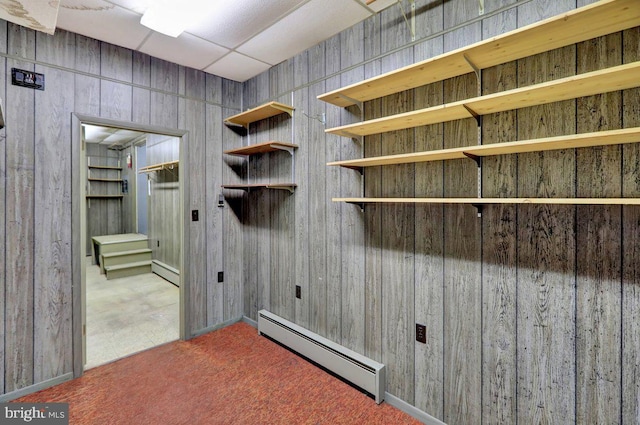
(107, 306)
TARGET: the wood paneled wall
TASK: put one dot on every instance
(531, 311)
(164, 203)
(92, 78)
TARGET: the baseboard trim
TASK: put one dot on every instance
(36, 387)
(166, 272)
(216, 327)
(250, 321)
(407, 408)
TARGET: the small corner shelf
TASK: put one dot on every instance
(247, 187)
(261, 148)
(591, 21)
(170, 165)
(270, 109)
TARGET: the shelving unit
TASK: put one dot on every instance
(598, 19)
(600, 138)
(244, 119)
(170, 165)
(261, 112)
(585, 23)
(108, 174)
(590, 83)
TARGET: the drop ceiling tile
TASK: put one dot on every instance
(40, 15)
(103, 21)
(305, 27)
(231, 23)
(138, 6)
(186, 50)
(378, 5)
(237, 67)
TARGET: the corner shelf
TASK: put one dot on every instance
(591, 21)
(159, 167)
(247, 187)
(261, 148)
(611, 79)
(261, 112)
(599, 138)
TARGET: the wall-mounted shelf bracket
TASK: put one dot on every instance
(476, 158)
(480, 7)
(356, 168)
(360, 204)
(479, 207)
(411, 24)
(474, 114)
(356, 102)
(475, 68)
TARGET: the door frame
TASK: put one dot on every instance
(79, 220)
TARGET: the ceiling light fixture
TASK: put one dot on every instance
(166, 17)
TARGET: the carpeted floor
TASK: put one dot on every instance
(230, 376)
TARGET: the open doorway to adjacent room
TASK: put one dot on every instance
(132, 244)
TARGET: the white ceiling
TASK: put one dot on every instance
(238, 40)
(112, 137)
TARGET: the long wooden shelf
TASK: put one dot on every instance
(486, 201)
(260, 148)
(105, 167)
(261, 112)
(97, 179)
(104, 196)
(606, 80)
(599, 138)
(591, 21)
(170, 165)
(247, 187)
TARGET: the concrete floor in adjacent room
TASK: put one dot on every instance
(128, 315)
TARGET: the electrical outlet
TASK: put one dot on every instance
(421, 333)
(220, 277)
(298, 292)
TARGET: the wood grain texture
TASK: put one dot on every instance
(333, 212)
(164, 76)
(87, 53)
(3, 188)
(59, 49)
(19, 226)
(115, 100)
(52, 239)
(546, 255)
(630, 245)
(372, 214)
(429, 259)
(352, 226)
(120, 64)
(215, 216)
(141, 69)
(164, 110)
(301, 128)
(598, 242)
(499, 284)
(191, 118)
(398, 224)
(87, 95)
(141, 106)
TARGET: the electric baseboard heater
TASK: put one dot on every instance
(353, 367)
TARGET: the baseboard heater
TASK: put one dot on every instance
(349, 365)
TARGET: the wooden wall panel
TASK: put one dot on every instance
(3, 187)
(87, 58)
(598, 243)
(301, 160)
(52, 241)
(19, 215)
(352, 224)
(141, 69)
(191, 118)
(462, 255)
(120, 64)
(58, 49)
(499, 284)
(546, 254)
(317, 196)
(87, 95)
(164, 110)
(214, 215)
(630, 244)
(398, 224)
(115, 100)
(372, 186)
(141, 106)
(429, 260)
(333, 210)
